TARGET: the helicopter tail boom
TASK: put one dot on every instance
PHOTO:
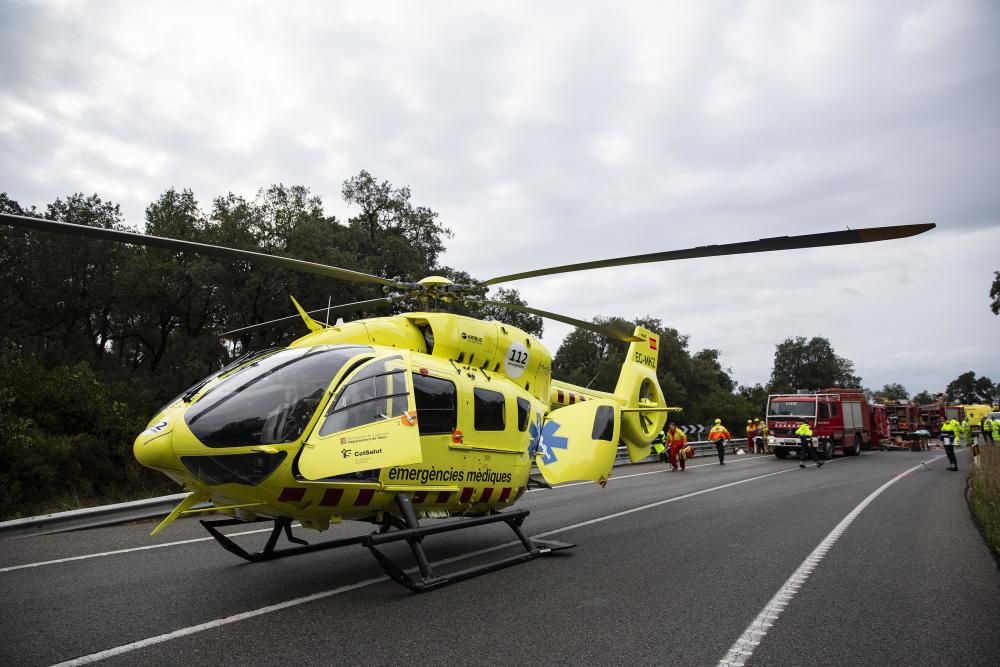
(644, 406)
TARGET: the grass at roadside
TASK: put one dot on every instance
(984, 484)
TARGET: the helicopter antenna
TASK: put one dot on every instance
(329, 302)
(592, 380)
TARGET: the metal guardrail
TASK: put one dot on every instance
(152, 508)
(91, 517)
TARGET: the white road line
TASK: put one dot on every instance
(119, 552)
(126, 551)
(201, 627)
(662, 502)
(754, 633)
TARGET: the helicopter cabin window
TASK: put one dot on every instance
(435, 399)
(523, 414)
(271, 399)
(377, 391)
(489, 410)
(604, 424)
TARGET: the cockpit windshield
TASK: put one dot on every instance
(792, 409)
(271, 400)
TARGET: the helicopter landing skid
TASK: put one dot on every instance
(269, 552)
(414, 533)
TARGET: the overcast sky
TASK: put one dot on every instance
(546, 133)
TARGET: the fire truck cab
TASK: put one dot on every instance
(840, 419)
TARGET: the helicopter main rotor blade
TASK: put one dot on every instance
(867, 235)
(609, 331)
(344, 307)
(44, 225)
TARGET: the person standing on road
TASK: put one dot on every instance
(988, 430)
(996, 431)
(676, 441)
(805, 433)
(948, 434)
(750, 436)
(719, 434)
(965, 429)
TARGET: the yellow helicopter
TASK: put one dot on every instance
(391, 420)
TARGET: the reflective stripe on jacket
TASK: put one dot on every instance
(719, 432)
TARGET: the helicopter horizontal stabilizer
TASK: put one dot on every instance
(579, 442)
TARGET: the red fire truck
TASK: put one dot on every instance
(904, 417)
(840, 419)
(932, 415)
(880, 426)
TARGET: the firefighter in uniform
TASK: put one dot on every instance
(750, 436)
(805, 434)
(948, 434)
(719, 434)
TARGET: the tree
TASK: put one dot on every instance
(923, 398)
(812, 364)
(695, 382)
(967, 388)
(995, 293)
(893, 392)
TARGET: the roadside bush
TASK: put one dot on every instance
(984, 485)
(65, 441)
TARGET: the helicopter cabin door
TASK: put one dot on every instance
(370, 423)
(579, 442)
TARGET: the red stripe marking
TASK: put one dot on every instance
(443, 496)
(331, 497)
(559, 396)
(487, 492)
(419, 496)
(520, 492)
(290, 495)
(504, 494)
(466, 495)
(364, 497)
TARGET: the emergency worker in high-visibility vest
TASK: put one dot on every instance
(676, 441)
(660, 446)
(805, 433)
(750, 435)
(996, 431)
(719, 434)
(988, 430)
(965, 429)
(949, 433)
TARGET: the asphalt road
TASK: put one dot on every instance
(872, 560)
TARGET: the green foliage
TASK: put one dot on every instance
(893, 392)
(967, 388)
(695, 382)
(923, 398)
(995, 293)
(812, 364)
(65, 439)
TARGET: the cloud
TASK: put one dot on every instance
(544, 135)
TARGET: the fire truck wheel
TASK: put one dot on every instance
(856, 449)
(826, 452)
(781, 453)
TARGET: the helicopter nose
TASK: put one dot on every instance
(155, 450)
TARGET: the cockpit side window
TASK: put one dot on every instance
(377, 391)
